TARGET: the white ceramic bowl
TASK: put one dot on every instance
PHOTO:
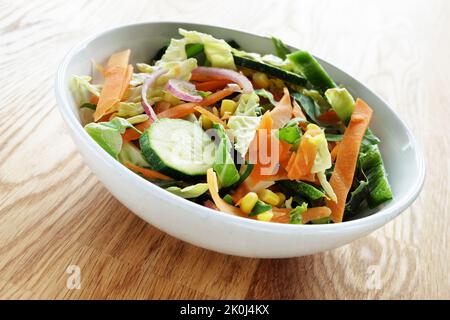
(214, 230)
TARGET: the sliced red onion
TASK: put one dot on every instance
(148, 82)
(225, 74)
(183, 90)
(235, 87)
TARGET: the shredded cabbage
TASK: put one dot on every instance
(128, 109)
(189, 192)
(217, 51)
(247, 105)
(109, 134)
(243, 128)
(322, 161)
(131, 153)
(82, 89)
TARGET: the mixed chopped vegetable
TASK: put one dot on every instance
(265, 137)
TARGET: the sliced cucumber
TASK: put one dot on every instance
(175, 145)
(312, 70)
(303, 189)
(276, 72)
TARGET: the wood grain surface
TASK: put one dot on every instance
(54, 213)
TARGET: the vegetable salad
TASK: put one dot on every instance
(261, 136)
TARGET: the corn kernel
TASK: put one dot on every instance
(269, 197)
(227, 106)
(248, 202)
(265, 216)
(205, 122)
(261, 80)
(282, 199)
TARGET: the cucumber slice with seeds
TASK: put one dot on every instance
(177, 146)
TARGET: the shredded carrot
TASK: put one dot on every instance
(217, 96)
(315, 213)
(179, 111)
(281, 215)
(211, 205)
(302, 161)
(212, 85)
(257, 180)
(161, 106)
(98, 67)
(208, 114)
(93, 99)
(117, 75)
(282, 112)
(147, 173)
(284, 153)
(261, 176)
(126, 81)
(334, 152)
(329, 117)
(297, 111)
(223, 206)
(131, 134)
(347, 156)
(200, 77)
(262, 140)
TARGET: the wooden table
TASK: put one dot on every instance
(54, 213)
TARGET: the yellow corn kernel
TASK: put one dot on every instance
(269, 197)
(265, 216)
(205, 122)
(261, 80)
(248, 202)
(227, 106)
(171, 99)
(282, 199)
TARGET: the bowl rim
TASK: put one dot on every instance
(63, 102)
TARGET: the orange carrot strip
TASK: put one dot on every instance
(284, 153)
(93, 99)
(223, 206)
(161, 106)
(329, 117)
(217, 96)
(347, 156)
(315, 213)
(334, 152)
(282, 112)
(281, 215)
(179, 111)
(126, 81)
(211, 205)
(211, 116)
(297, 111)
(200, 77)
(147, 173)
(131, 134)
(304, 160)
(265, 127)
(116, 74)
(211, 85)
(256, 179)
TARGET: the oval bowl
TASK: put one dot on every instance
(219, 231)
